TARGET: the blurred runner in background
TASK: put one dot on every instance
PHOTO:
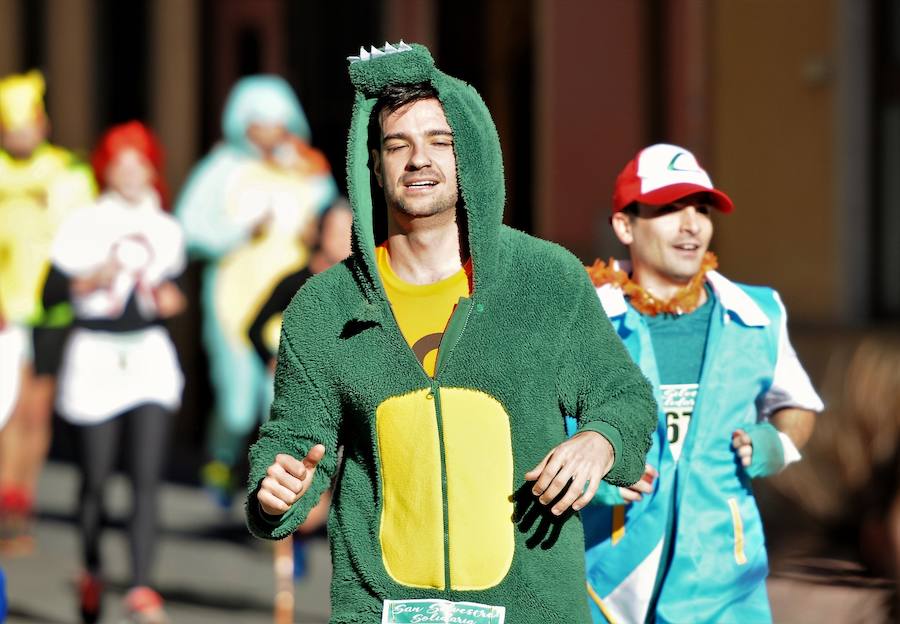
(120, 381)
(40, 184)
(333, 244)
(243, 211)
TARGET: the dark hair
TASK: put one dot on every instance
(399, 95)
(633, 209)
(395, 97)
(131, 135)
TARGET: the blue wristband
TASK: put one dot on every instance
(768, 452)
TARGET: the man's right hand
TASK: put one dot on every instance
(287, 480)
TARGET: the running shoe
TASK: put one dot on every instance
(144, 606)
(90, 593)
(16, 523)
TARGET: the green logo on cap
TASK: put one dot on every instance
(674, 167)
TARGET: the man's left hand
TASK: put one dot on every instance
(579, 464)
(763, 449)
(743, 446)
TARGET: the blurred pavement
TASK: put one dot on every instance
(209, 569)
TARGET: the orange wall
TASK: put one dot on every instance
(772, 149)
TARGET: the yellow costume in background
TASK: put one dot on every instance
(40, 185)
(278, 205)
(36, 194)
(244, 211)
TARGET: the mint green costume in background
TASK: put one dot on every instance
(241, 386)
(533, 337)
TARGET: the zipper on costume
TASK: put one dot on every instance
(443, 354)
(435, 391)
(436, 395)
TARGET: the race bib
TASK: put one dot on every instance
(678, 404)
(440, 612)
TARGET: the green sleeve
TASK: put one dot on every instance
(302, 416)
(604, 389)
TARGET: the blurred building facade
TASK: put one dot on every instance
(794, 107)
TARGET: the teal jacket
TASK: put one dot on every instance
(694, 549)
(431, 502)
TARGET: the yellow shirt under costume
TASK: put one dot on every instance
(422, 311)
(36, 195)
(474, 426)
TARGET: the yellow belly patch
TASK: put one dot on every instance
(479, 476)
(479, 461)
(412, 514)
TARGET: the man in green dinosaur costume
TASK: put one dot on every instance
(444, 361)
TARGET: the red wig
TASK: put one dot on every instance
(131, 135)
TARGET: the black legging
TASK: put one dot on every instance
(147, 427)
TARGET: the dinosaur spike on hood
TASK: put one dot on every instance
(479, 162)
(414, 64)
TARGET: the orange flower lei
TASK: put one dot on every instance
(685, 300)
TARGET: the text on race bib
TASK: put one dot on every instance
(440, 612)
(678, 405)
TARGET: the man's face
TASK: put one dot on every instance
(130, 174)
(416, 165)
(267, 136)
(22, 141)
(667, 242)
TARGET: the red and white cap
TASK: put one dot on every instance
(661, 174)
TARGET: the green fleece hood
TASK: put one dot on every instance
(479, 162)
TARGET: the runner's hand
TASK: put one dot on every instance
(170, 301)
(636, 491)
(743, 446)
(101, 278)
(287, 480)
(579, 464)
